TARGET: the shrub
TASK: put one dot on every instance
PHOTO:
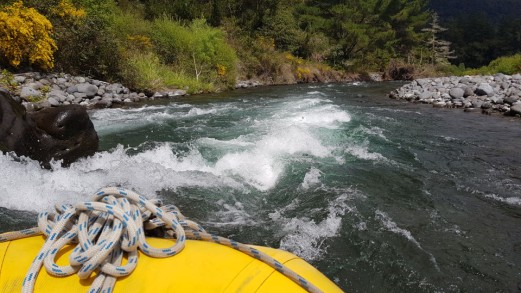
(87, 46)
(506, 65)
(144, 70)
(197, 49)
(25, 36)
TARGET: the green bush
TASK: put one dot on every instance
(506, 65)
(144, 70)
(198, 49)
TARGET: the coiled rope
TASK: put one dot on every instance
(114, 224)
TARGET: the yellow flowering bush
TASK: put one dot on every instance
(139, 42)
(25, 36)
(66, 9)
(221, 70)
(302, 72)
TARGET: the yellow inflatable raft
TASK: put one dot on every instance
(200, 267)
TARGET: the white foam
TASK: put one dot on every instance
(514, 201)
(362, 152)
(312, 178)
(374, 131)
(256, 158)
(113, 120)
(200, 112)
(28, 187)
(327, 116)
(304, 236)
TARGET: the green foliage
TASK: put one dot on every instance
(85, 46)
(506, 65)
(197, 48)
(365, 34)
(283, 28)
(7, 79)
(145, 71)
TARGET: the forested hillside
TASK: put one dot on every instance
(480, 30)
(208, 45)
(495, 10)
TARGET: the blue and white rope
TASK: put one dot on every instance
(111, 225)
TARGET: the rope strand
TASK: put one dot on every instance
(114, 224)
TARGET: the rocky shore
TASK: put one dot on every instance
(489, 94)
(36, 90)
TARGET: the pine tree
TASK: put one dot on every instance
(440, 51)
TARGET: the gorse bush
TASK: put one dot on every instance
(25, 37)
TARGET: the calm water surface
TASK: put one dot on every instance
(380, 195)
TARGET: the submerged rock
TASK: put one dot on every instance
(65, 133)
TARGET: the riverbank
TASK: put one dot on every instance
(35, 90)
(489, 94)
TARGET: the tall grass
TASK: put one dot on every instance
(144, 70)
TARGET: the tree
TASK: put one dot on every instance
(439, 50)
(366, 33)
(25, 36)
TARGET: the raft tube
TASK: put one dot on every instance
(200, 267)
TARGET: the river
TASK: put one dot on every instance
(380, 195)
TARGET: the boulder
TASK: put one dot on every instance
(53, 102)
(486, 105)
(64, 133)
(89, 89)
(510, 100)
(456, 93)
(484, 89)
(468, 92)
(515, 110)
(27, 92)
(58, 95)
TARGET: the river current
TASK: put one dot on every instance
(380, 195)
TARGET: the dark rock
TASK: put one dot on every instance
(486, 111)
(65, 133)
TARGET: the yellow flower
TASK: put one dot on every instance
(25, 35)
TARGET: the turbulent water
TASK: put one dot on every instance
(381, 196)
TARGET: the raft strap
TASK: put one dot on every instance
(114, 224)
